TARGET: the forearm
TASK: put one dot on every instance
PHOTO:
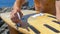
(18, 4)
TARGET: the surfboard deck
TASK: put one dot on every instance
(46, 24)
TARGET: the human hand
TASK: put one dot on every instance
(14, 17)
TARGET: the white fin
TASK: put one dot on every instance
(18, 15)
(40, 14)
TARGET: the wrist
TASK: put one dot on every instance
(16, 9)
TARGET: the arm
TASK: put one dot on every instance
(18, 4)
(17, 8)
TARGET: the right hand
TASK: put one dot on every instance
(14, 16)
(15, 19)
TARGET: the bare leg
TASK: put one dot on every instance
(58, 10)
(38, 6)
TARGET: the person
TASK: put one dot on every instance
(17, 8)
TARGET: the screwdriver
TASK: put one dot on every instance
(18, 24)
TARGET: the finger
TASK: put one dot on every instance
(15, 20)
(21, 15)
(12, 14)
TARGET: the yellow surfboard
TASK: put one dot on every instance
(46, 24)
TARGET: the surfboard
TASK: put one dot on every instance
(46, 24)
